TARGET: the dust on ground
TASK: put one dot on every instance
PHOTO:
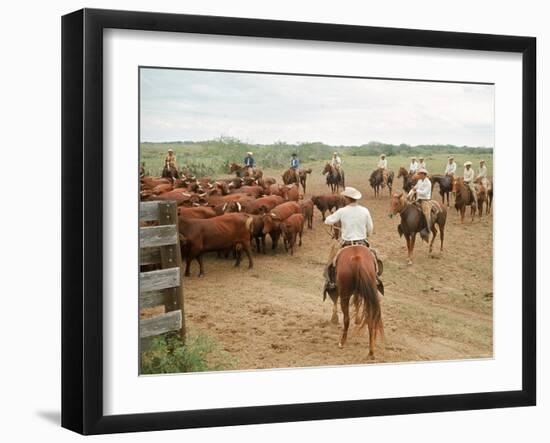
(273, 316)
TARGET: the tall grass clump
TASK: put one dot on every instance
(168, 355)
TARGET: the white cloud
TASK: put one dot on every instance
(199, 105)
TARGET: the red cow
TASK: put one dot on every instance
(254, 191)
(291, 192)
(327, 202)
(292, 227)
(196, 212)
(221, 233)
(307, 211)
(263, 204)
(272, 220)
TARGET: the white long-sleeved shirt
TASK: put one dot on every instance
(383, 163)
(413, 167)
(469, 175)
(482, 172)
(451, 168)
(422, 165)
(336, 161)
(356, 222)
(423, 189)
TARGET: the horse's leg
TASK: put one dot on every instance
(262, 240)
(413, 240)
(441, 236)
(462, 214)
(344, 304)
(408, 239)
(434, 233)
(371, 340)
(334, 318)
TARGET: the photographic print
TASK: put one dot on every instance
(292, 220)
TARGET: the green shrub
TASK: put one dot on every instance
(167, 354)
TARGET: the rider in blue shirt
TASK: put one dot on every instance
(249, 162)
(295, 166)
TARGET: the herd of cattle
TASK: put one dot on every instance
(229, 215)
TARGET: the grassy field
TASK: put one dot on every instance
(440, 308)
(212, 158)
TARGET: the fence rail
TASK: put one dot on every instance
(159, 245)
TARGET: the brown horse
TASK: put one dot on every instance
(376, 181)
(413, 221)
(243, 171)
(409, 180)
(463, 198)
(335, 178)
(356, 275)
(445, 183)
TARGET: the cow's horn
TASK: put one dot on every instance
(223, 208)
(239, 206)
(186, 194)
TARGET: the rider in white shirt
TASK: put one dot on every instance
(383, 166)
(355, 225)
(469, 176)
(336, 161)
(450, 169)
(482, 175)
(421, 163)
(413, 167)
(423, 190)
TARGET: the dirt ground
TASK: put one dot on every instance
(273, 316)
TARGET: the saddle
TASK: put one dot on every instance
(347, 244)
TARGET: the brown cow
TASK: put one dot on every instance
(263, 204)
(258, 232)
(327, 202)
(221, 233)
(196, 212)
(266, 182)
(161, 189)
(307, 211)
(291, 192)
(272, 220)
(292, 227)
(215, 200)
(149, 182)
(253, 191)
(180, 196)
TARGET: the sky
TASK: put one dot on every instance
(183, 105)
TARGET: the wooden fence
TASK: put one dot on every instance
(160, 245)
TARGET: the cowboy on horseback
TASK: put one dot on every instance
(421, 163)
(295, 166)
(469, 176)
(170, 165)
(413, 167)
(383, 166)
(356, 226)
(336, 161)
(482, 175)
(249, 163)
(423, 191)
(450, 169)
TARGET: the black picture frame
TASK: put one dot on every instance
(82, 218)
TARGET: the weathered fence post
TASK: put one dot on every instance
(160, 245)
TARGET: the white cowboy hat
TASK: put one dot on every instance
(413, 158)
(170, 150)
(482, 161)
(249, 153)
(422, 171)
(420, 158)
(351, 193)
(382, 155)
(450, 157)
(334, 153)
(468, 163)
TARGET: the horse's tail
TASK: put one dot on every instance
(365, 290)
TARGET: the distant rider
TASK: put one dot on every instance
(249, 163)
(295, 166)
(383, 166)
(469, 176)
(423, 190)
(413, 167)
